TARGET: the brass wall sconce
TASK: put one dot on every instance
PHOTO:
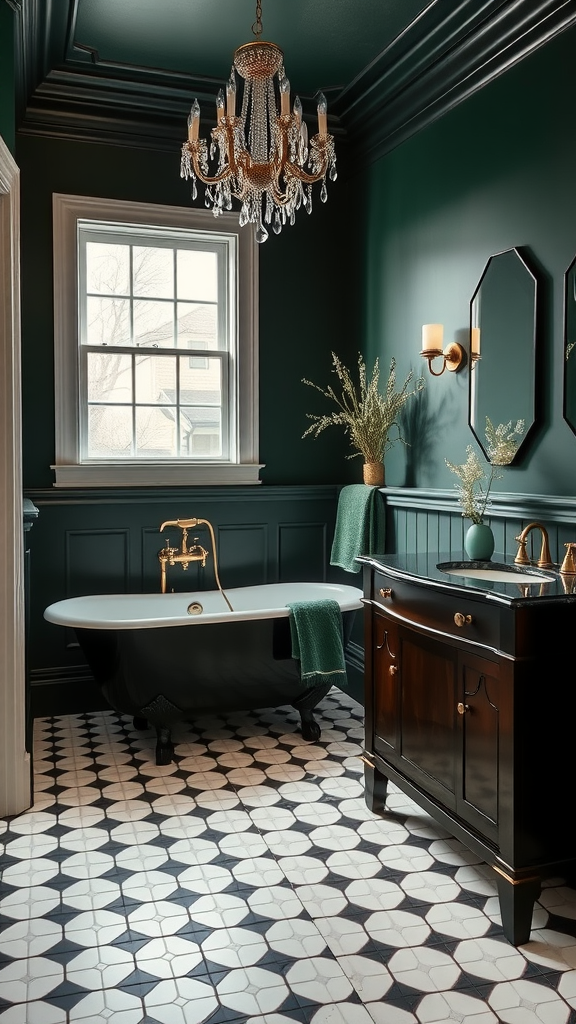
(453, 354)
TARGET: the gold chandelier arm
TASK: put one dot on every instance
(194, 148)
(205, 178)
(306, 179)
(319, 142)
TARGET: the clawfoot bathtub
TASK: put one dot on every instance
(164, 658)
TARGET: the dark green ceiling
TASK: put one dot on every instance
(126, 71)
(326, 43)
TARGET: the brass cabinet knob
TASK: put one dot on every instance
(393, 670)
(462, 708)
(385, 591)
(462, 620)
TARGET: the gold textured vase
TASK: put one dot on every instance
(373, 473)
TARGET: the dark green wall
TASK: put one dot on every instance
(495, 172)
(7, 127)
(306, 303)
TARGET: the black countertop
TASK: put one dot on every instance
(424, 570)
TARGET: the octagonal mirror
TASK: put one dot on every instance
(570, 345)
(503, 347)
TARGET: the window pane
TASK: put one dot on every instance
(200, 385)
(109, 377)
(155, 433)
(107, 321)
(153, 272)
(200, 433)
(156, 380)
(109, 431)
(153, 323)
(107, 268)
(197, 325)
(197, 275)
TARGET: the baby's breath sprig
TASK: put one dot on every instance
(474, 490)
(502, 441)
(366, 414)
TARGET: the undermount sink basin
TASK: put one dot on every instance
(495, 572)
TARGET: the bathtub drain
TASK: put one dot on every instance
(195, 608)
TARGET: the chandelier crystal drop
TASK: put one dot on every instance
(264, 158)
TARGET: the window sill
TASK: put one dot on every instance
(146, 474)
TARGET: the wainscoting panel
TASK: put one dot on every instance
(243, 554)
(302, 552)
(97, 562)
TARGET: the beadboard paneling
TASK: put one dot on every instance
(419, 520)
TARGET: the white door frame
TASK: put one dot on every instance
(15, 780)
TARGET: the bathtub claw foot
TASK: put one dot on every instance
(139, 722)
(310, 727)
(164, 746)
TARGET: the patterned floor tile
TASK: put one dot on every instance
(248, 883)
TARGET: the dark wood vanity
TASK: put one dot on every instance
(470, 710)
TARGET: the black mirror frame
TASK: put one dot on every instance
(521, 254)
(571, 267)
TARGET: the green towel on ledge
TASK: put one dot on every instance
(359, 526)
(317, 642)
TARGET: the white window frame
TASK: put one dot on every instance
(70, 470)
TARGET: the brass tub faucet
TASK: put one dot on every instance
(545, 561)
(169, 555)
(184, 555)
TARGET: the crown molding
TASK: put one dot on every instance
(143, 109)
(452, 50)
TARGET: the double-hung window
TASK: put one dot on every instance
(155, 345)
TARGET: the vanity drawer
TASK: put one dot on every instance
(454, 616)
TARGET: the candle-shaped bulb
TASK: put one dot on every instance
(475, 343)
(432, 336)
(284, 96)
(231, 94)
(298, 109)
(322, 115)
(220, 100)
(194, 121)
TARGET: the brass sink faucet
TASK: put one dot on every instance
(545, 561)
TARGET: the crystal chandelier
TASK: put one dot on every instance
(264, 158)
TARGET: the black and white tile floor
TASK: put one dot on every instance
(248, 882)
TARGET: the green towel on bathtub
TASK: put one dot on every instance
(317, 641)
(359, 526)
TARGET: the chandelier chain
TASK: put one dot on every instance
(257, 26)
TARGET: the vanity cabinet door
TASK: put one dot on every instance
(415, 716)
(482, 721)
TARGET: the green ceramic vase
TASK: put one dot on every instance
(479, 542)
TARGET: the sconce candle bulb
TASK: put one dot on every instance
(453, 354)
(432, 337)
(474, 343)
